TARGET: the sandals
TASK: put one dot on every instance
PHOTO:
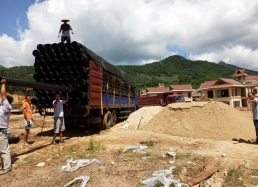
(55, 143)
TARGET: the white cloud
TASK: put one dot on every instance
(237, 55)
(138, 31)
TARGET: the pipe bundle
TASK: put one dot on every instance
(65, 65)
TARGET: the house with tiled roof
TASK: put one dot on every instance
(153, 91)
(156, 90)
(185, 90)
(230, 91)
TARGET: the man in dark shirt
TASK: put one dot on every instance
(65, 28)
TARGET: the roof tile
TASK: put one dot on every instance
(181, 87)
(157, 89)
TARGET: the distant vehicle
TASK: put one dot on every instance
(160, 100)
(17, 105)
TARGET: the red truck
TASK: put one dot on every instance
(160, 100)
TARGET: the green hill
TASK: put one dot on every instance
(178, 70)
(18, 72)
(172, 70)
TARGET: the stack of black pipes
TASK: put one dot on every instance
(61, 64)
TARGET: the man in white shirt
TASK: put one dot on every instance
(254, 101)
(59, 125)
(5, 112)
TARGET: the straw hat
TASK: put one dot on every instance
(65, 20)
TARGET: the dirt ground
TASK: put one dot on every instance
(203, 136)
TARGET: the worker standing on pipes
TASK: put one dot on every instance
(65, 29)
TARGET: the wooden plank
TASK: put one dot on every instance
(95, 95)
(202, 177)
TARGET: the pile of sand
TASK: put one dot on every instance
(214, 120)
(140, 117)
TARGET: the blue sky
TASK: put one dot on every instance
(11, 11)
(135, 31)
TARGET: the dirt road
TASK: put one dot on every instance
(195, 155)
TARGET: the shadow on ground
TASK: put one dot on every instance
(240, 140)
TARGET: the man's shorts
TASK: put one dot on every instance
(59, 124)
(28, 125)
(65, 38)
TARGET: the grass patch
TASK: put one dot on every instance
(72, 149)
(158, 184)
(183, 155)
(130, 150)
(29, 160)
(119, 151)
(95, 146)
(149, 143)
(178, 170)
(232, 178)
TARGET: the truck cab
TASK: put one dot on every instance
(175, 99)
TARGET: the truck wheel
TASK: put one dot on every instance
(12, 140)
(107, 121)
(114, 117)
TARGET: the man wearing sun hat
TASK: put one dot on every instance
(65, 28)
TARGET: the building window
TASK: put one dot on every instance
(189, 95)
(243, 92)
(255, 91)
(236, 92)
(223, 93)
(210, 94)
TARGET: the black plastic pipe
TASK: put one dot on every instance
(36, 85)
(81, 95)
(35, 53)
(40, 47)
(82, 82)
(34, 101)
(81, 56)
(81, 69)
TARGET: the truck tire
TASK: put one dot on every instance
(107, 121)
(114, 117)
(12, 140)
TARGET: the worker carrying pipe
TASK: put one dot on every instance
(65, 29)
